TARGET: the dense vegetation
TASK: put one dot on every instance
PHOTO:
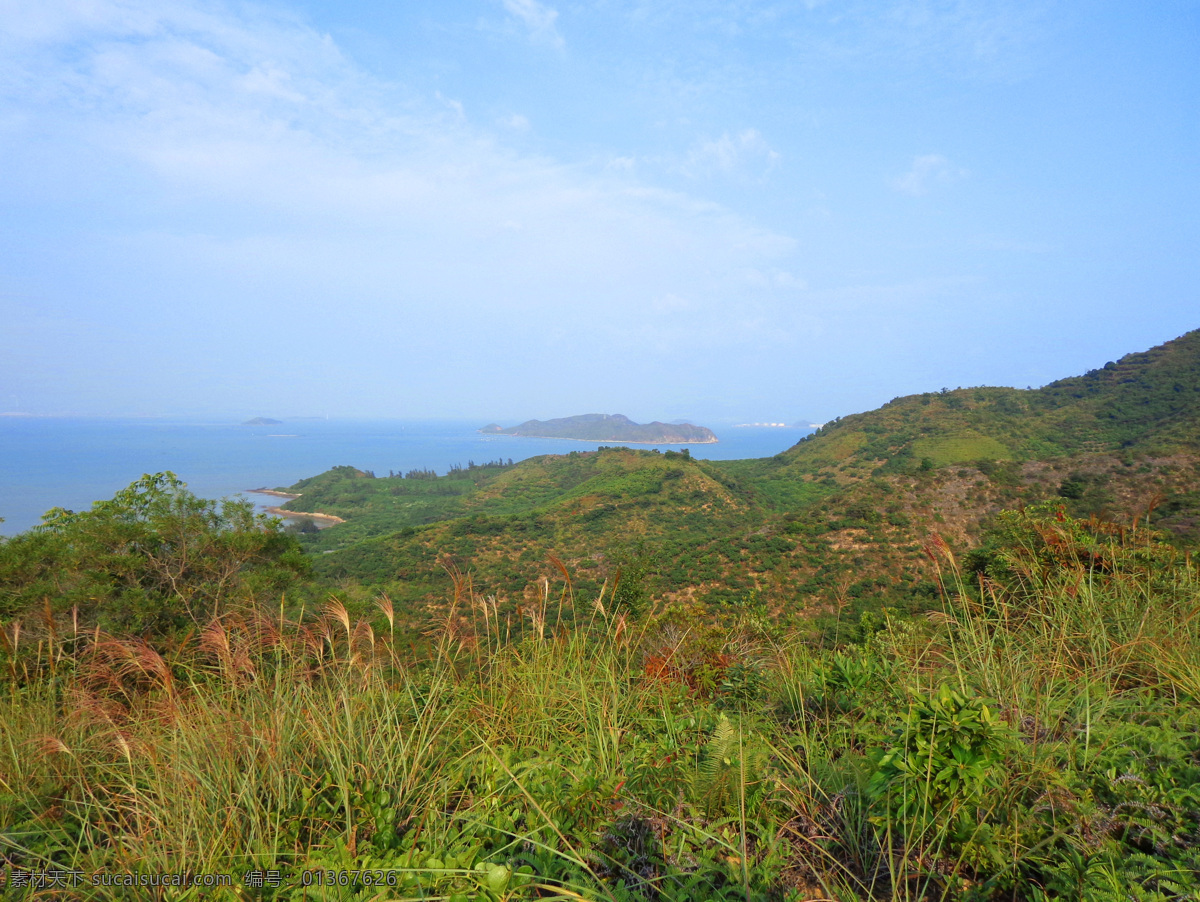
(1149, 401)
(836, 523)
(898, 661)
(154, 559)
(1037, 739)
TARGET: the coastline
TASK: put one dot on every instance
(277, 511)
(40, 472)
(328, 518)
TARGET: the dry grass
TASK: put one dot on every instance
(265, 742)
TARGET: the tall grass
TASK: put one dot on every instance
(583, 755)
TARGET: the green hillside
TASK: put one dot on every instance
(1148, 401)
(839, 519)
(685, 522)
(1037, 742)
(945, 651)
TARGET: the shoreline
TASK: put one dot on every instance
(277, 511)
(328, 518)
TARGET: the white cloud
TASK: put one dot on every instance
(744, 153)
(776, 278)
(784, 279)
(452, 104)
(268, 79)
(239, 165)
(928, 171)
(516, 122)
(670, 303)
(538, 19)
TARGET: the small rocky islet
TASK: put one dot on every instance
(603, 427)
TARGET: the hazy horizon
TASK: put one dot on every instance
(226, 418)
(514, 209)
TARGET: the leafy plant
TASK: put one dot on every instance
(933, 786)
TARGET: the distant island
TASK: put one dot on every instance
(603, 427)
(262, 421)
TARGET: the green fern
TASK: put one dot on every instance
(732, 766)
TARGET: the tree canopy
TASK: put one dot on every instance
(153, 558)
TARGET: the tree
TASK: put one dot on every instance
(152, 559)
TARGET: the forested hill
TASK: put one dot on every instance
(1149, 401)
(837, 524)
(842, 515)
(630, 674)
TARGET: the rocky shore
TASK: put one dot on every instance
(275, 492)
(324, 518)
(328, 519)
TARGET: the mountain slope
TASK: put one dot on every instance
(838, 520)
(1148, 401)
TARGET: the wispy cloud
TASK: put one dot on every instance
(539, 20)
(265, 180)
(959, 39)
(982, 37)
(516, 122)
(746, 153)
(776, 278)
(928, 171)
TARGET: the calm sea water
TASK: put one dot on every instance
(50, 462)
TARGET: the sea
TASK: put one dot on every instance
(68, 462)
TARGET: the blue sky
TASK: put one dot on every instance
(718, 209)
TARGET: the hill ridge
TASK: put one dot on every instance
(838, 519)
(1147, 399)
